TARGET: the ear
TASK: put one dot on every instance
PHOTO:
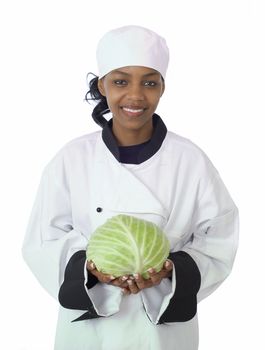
(101, 87)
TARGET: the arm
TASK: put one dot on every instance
(72, 294)
(183, 304)
(204, 261)
(173, 296)
(215, 236)
(55, 250)
(51, 239)
(207, 258)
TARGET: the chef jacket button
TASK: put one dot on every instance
(99, 210)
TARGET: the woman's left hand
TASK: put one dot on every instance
(138, 283)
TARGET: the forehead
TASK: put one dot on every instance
(135, 71)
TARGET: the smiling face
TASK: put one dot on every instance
(132, 94)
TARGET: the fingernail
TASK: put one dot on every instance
(124, 278)
(112, 277)
(92, 265)
(136, 275)
(130, 282)
(167, 264)
(150, 270)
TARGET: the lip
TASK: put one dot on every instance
(133, 111)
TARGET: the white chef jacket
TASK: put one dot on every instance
(178, 189)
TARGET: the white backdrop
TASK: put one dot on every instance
(214, 95)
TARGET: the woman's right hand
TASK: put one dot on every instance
(109, 279)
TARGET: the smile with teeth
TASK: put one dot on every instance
(133, 110)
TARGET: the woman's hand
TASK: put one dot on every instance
(138, 283)
(106, 278)
(133, 284)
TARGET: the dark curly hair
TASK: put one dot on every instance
(94, 94)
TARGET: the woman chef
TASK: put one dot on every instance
(133, 166)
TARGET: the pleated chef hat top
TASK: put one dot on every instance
(132, 46)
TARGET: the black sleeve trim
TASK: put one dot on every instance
(183, 304)
(72, 294)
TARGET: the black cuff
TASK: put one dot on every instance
(72, 294)
(183, 304)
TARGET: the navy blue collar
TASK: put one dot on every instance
(149, 149)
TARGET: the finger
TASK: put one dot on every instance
(110, 278)
(139, 281)
(168, 265)
(132, 286)
(155, 277)
(90, 265)
(152, 272)
(120, 281)
(123, 279)
(102, 277)
(126, 291)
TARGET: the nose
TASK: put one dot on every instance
(135, 93)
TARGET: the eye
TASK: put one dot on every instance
(120, 82)
(150, 83)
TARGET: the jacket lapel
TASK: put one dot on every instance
(123, 191)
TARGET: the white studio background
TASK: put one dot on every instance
(215, 97)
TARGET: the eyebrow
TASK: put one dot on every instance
(145, 75)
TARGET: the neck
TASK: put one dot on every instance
(130, 137)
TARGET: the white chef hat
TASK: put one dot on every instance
(132, 46)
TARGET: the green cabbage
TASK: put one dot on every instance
(125, 245)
